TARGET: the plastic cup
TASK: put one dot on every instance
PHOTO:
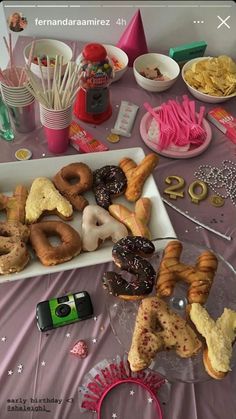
(57, 139)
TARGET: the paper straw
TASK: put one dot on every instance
(10, 50)
(49, 81)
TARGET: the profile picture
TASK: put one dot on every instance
(17, 22)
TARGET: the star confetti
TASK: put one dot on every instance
(131, 392)
(150, 400)
(95, 318)
(43, 363)
(10, 372)
(114, 415)
(94, 340)
(3, 339)
(19, 368)
(68, 335)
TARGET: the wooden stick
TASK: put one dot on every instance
(49, 81)
(10, 50)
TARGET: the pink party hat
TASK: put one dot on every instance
(133, 40)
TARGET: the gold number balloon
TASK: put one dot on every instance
(176, 189)
(196, 197)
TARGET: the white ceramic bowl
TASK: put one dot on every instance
(167, 66)
(50, 47)
(204, 97)
(121, 56)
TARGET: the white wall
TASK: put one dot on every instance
(167, 23)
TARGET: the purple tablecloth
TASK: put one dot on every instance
(36, 368)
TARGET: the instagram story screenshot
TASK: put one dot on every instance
(117, 209)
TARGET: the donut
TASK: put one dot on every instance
(128, 254)
(219, 334)
(137, 174)
(108, 181)
(157, 328)
(136, 221)
(82, 177)
(14, 253)
(44, 198)
(98, 225)
(199, 277)
(53, 255)
(15, 205)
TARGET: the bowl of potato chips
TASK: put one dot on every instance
(211, 79)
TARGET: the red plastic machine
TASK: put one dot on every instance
(93, 100)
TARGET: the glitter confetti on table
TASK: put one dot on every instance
(95, 318)
(19, 368)
(131, 392)
(68, 335)
(3, 339)
(43, 363)
(150, 400)
(94, 340)
(10, 372)
(114, 415)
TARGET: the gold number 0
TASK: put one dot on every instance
(196, 197)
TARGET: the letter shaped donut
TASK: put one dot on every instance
(157, 328)
(108, 181)
(72, 191)
(128, 255)
(14, 254)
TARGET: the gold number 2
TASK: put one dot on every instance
(176, 189)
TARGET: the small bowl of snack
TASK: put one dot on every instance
(211, 79)
(119, 60)
(155, 72)
(47, 50)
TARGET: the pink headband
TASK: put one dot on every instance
(110, 373)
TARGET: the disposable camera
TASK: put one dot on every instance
(64, 310)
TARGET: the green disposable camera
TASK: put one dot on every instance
(64, 310)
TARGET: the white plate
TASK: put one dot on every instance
(24, 172)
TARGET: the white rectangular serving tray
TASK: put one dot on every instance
(24, 172)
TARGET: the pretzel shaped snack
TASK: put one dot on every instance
(136, 221)
(157, 328)
(15, 204)
(199, 277)
(137, 174)
(219, 335)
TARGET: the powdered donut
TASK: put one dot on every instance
(98, 225)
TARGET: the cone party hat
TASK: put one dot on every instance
(133, 40)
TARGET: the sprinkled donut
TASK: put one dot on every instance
(128, 254)
(108, 181)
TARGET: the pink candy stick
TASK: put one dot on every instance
(201, 115)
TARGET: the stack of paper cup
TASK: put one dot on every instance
(20, 103)
(56, 125)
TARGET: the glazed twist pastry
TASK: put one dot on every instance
(199, 277)
(157, 328)
(136, 221)
(219, 335)
(137, 174)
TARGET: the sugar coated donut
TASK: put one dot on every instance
(157, 328)
(128, 254)
(83, 177)
(108, 181)
(14, 255)
(98, 225)
(52, 255)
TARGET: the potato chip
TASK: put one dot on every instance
(214, 76)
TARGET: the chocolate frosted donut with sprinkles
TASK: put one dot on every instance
(128, 254)
(108, 181)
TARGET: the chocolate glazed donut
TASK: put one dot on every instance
(128, 254)
(107, 182)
